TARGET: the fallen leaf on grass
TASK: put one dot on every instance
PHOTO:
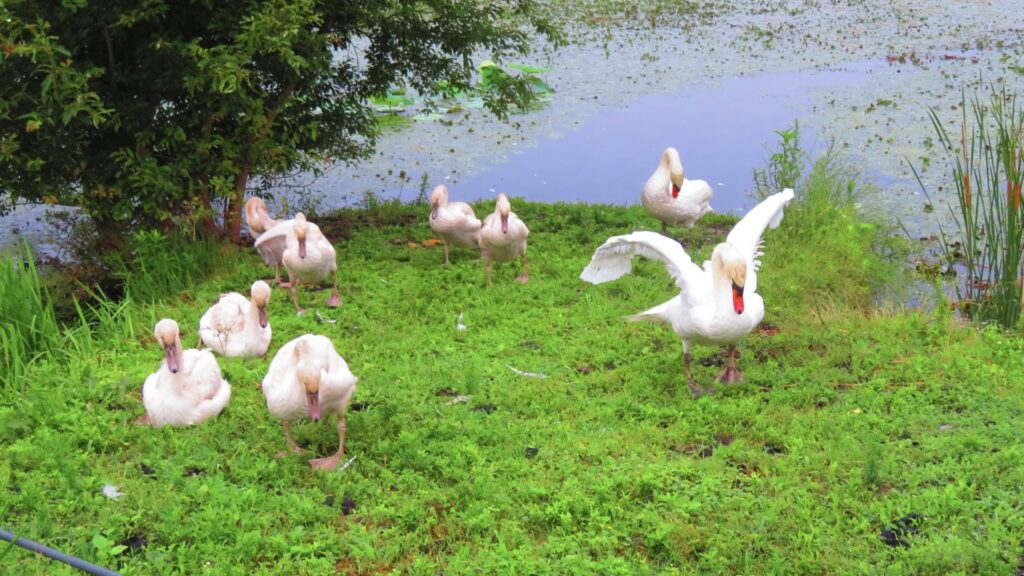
(431, 242)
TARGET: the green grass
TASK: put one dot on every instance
(853, 417)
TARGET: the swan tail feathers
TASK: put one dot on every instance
(659, 313)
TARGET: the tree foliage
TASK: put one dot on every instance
(144, 113)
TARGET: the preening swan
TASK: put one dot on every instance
(236, 326)
(309, 257)
(454, 222)
(308, 378)
(716, 305)
(670, 197)
(187, 388)
(257, 216)
(503, 238)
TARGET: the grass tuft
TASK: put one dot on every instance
(28, 327)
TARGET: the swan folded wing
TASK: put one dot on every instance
(746, 235)
(614, 258)
(699, 191)
(465, 209)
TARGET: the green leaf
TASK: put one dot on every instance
(115, 550)
(528, 69)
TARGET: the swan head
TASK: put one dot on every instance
(503, 208)
(301, 228)
(670, 159)
(438, 198)
(166, 333)
(309, 378)
(732, 266)
(259, 294)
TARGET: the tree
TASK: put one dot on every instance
(146, 112)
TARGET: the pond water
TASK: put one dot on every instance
(723, 130)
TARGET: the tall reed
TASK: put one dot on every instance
(989, 241)
(28, 326)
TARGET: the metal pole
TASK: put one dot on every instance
(57, 555)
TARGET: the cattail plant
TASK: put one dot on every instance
(989, 241)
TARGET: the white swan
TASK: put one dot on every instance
(503, 238)
(236, 326)
(257, 216)
(717, 305)
(309, 257)
(307, 377)
(454, 222)
(187, 388)
(671, 198)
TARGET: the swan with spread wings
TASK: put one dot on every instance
(718, 304)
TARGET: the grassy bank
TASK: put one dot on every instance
(853, 417)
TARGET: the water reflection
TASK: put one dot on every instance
(723, 131)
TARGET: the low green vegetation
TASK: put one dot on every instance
(867, 439)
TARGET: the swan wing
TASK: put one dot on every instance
(272, 243)
(464, 208)
(746, 235)
(614, 258)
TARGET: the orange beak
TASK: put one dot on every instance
(737, 298)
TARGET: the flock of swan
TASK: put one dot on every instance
(717, 303)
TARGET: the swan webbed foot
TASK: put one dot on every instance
(143, 420)
(335, 299)
(523, 278)
(730, 375)
(326, 463)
